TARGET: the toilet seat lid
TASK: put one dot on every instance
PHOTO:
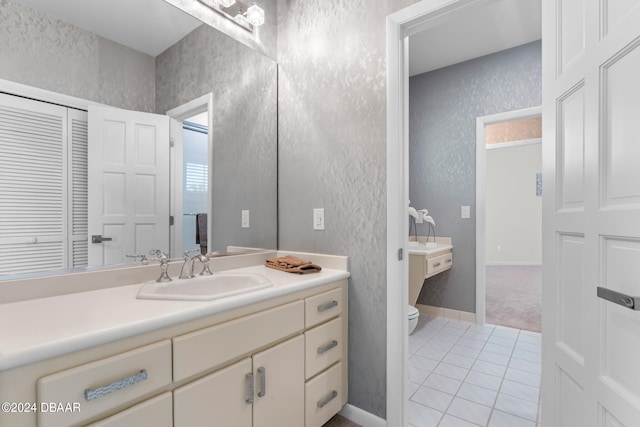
(413, 312)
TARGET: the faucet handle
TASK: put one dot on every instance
(204, 259)
(188, 253)
(161, 256)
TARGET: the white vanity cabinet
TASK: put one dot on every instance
(265, 390)
(267, 387)
(156, 412)
(280, 362)
(100, 386)
(325, 356)
(426, 262)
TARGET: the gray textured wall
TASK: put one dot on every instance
(43, 52)
(244, 87)
(443, 107)
(332, 155)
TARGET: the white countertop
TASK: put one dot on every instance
(39, 329)
(421, 249)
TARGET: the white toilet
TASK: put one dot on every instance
(413, 318)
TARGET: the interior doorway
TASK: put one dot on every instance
(195, 182)
(190, 174)
(509, 219)
(407, 22)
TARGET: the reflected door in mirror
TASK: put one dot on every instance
(128, 184)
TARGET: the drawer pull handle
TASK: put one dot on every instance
(328, 306)
(262, 373)
(449, 261)
(91, 394)
(327, 347)
(327, 399)
(437, 264)
(249, 399)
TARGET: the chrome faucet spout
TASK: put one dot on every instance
(186, 272)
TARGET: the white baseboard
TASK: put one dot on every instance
(446, 313)
(362, 417)
(515, 263)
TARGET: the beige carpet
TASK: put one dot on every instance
(514, 297)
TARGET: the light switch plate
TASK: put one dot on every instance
(318, 219)
(245, 219)
(465, 212)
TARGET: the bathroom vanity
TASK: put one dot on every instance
(426, 259)
(273, 357)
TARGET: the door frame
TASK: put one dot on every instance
(481, 207)
(178, 115)
(410, 20)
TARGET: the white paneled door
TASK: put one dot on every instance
(128, 184)
(591, 219)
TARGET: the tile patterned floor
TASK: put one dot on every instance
(464, 375)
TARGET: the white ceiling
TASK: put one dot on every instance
(478, 31)
(149, 26)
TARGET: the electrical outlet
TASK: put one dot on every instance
(499, 248)
(465, 212)
(245, 219)
(318, 219)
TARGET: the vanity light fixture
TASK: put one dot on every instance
(255, 15)
(247, 17)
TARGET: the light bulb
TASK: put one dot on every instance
(226, 3)
(255, 15)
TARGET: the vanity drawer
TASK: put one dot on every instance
(208, 348)
(105, 384)
(448, 260)
(323, 396)
(437, 264)
(156, 412)
(320, 308)
(323, 346)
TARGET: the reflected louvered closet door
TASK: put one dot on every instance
(78, 208)
(33, 188)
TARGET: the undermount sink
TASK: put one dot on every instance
(205, 288)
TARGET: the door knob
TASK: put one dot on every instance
(97, 238)
(619, 298)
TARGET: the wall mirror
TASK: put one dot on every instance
(145, 56)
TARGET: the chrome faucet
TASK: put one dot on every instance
(189, 263)
(187, 268)
(164, 265)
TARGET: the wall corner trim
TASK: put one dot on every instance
(362, 417)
